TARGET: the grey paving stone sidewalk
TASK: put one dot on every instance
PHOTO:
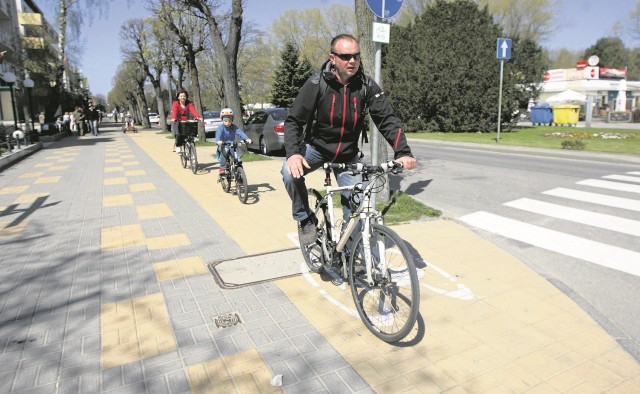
(56, 277)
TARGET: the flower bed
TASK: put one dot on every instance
(604, 136)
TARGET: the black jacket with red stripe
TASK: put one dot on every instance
(340, 117)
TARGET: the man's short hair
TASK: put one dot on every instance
(341, 37)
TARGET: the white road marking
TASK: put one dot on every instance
(634, 172)
(608, 222)
(594, 252)
(595, 198)
(625, 187)
(623, 178)
(462, 292)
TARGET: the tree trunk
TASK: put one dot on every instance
(364, 23)
(62, 20)
(142, 113)
(159, 103)
(195, 92)
(227, 55)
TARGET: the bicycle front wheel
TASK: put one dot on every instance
(225, 181)
(241, 185)
(183, 156)
(388, 307)
(193, 157)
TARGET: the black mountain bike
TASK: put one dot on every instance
(235, 172)
(188, 155)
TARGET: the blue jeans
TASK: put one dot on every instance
(297, 188)
(94, 127)
(223, 154)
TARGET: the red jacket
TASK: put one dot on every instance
(179, 113)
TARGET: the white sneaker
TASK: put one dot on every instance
(178, 149)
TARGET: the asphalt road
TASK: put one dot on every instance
(574, 221)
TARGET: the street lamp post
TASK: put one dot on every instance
(28, 84)
(10, 79)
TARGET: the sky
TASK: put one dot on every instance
(583, 23)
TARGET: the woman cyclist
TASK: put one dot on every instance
(182, 109)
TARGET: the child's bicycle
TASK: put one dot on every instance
(188, 155)
(128, 125)
(376, 261)
(235, 172)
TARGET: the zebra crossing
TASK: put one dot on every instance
(622, 199)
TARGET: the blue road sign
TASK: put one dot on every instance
(503, 49)
(390, 7)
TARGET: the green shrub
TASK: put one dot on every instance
(573, 145)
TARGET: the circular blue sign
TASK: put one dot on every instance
(391, 7)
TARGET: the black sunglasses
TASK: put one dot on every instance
(347, 56)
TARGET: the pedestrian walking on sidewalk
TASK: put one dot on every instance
(79, 118)
(337, 98)
(92, 118)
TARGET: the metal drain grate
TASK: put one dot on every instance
(227, 320)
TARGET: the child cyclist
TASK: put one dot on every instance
(227, 133)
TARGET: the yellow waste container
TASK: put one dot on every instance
(566, 115)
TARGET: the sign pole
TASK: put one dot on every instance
(380, 35)
(376, 77)
(500, 101)
(588, 114)
(503, 52)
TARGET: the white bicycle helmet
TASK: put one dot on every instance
(226, 112)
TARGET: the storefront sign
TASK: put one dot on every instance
(613, 73)
(592, 72)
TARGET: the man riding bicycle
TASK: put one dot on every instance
(337, 98)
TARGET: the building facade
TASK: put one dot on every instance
(606, 89)
(23, 30)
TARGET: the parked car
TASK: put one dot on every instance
(266, 130)
(154, 118)
(211, 122)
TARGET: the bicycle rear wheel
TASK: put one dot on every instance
(241, 185)
(389, 308)
(193, 157)
(314, 254)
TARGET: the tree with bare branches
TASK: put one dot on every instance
(190, 31)
(128, 91)
(71, 16)
(226, 52)
(140, 40)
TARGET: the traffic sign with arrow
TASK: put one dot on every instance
(390, 7)
(503, 49)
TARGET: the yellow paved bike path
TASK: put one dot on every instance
(488, 323)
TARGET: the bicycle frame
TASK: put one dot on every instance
(364, 214)
(235, 172)
(376, 261)
(234, 159)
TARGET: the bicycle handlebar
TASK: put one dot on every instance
(230, 143)
(390, 166)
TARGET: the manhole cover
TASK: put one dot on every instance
(227, 320)
(250, 270)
